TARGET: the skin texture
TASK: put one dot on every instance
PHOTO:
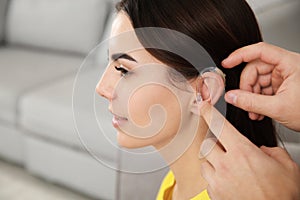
(237, 169)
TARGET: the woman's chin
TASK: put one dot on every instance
(127, 141)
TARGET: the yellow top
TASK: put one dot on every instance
(167, 187)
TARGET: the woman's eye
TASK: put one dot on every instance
(122, 70)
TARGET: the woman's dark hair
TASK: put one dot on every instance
(220, 26)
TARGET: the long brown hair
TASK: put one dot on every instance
(220, 26)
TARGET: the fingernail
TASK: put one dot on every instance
(231, 98)
(225, 61)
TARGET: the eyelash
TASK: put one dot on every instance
(122, 70)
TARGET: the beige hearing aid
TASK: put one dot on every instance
(214, 79)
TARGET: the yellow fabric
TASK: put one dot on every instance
(167, 186)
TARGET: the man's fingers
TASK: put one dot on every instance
(277, 153)
(268, 91)
(253, 116)
(265, 80)
(257, 90)
(261, 117)
(277, 81)
(250, 102)
(256, 72)
(226, 134)
(265, 52)
(212, 150)
(208, 172)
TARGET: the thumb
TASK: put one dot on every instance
(251, 102)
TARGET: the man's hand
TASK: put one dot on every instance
(270, 71)
(237, 169)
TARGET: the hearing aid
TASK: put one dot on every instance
(213, 71)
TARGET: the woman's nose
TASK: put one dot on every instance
(105, 90)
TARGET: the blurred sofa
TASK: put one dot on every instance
(43, 45)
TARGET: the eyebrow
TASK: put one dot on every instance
(117, 56)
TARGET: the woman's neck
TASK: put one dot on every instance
(187, 172)
(187, 168)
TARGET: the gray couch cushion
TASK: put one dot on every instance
(22, 70)
(57, 24)
(2, 17)
(291, 140)
(47, 112)
(102, 48)
(260, 6)
(280, 24)
(287, 135)
(294, 151)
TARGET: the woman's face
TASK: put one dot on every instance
(119, 74)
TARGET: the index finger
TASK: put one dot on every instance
(265, 52)
(224, 131)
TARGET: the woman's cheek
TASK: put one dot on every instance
(139, 105)
(144, 98)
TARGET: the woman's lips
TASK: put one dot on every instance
(117, 121)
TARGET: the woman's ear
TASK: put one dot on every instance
(211, 87)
